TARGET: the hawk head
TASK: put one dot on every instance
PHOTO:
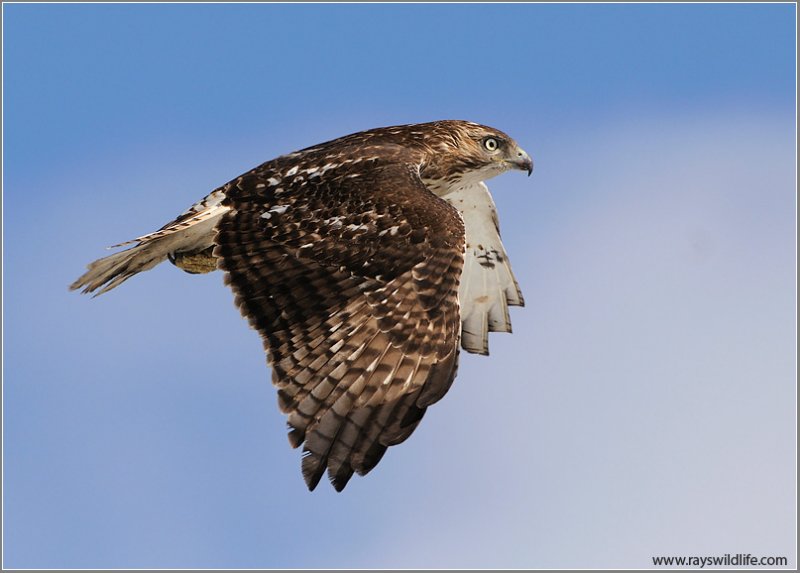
(462, 152)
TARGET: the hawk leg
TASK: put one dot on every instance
(198, 262)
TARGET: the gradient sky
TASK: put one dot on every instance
(645, 404)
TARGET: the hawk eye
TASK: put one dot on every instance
(491, 144)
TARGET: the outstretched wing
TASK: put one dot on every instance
(351, 278)
(488, 286)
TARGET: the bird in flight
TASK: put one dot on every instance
(364, 263)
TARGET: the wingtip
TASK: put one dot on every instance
(480, 350)
(339, 483)
(312, 480)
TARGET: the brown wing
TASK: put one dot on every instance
(351, 278)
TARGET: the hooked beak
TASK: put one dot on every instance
(521, 160)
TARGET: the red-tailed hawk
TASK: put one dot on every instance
(364, 263)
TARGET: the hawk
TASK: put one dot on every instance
(364, 263)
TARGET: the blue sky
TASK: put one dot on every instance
(645, 403)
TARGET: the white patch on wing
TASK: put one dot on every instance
(334, 222)
(292, 171)
(391, 231)
(488, 286)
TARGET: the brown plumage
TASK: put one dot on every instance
(347, 258)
